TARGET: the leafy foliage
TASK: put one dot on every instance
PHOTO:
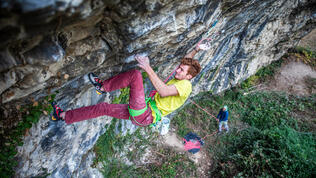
(272, 134)
(305, 55)
(110, 147)
(276, 143)
(13, 137)
(278, 152)
(172, 164)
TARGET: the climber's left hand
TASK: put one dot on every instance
(143, 62)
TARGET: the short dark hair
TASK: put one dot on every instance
(194, 66)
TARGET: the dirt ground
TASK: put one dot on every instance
(309, 41)
(201, 158)
(294, 78)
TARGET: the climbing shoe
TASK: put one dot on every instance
(56, 112)
(96, 82)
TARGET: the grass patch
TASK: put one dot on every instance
(307, 52)
(275, 142)
(113, 151)
(191, 118)
(275, 152)
(120, 154)
(11, 138)
(170, 164)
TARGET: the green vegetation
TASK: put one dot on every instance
(109, 152)
(278, 152)
(123, 98)
(110, 149)
(270, 140)
(305, 55)
(110, 145)
(170, 164)
(199, 121)
(307, 52)
(272, 134)
(11, 138)
(275, 143)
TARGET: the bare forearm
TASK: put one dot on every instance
(159, 85)
(191, 54)
(163, 89)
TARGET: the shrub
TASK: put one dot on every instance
(278, 152)
(11, 138)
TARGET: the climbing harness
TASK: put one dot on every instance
(133, 113)
(153, 102)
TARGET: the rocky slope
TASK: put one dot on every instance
(49, 46)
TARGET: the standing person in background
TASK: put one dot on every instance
(223, 119)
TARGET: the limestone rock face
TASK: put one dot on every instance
(42, 41)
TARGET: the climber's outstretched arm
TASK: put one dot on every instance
(193, 52)
(162, 88)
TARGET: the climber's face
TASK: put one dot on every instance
(182, 73)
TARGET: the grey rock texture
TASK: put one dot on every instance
(43, 41)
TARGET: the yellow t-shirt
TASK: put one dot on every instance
(167, 105)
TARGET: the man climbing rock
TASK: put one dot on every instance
(223, 119)
(140, 111)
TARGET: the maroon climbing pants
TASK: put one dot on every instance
(132, 79)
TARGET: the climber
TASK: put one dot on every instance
(223, 119)
(140, 111)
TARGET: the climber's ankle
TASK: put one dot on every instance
(63, 115)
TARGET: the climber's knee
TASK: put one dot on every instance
(136, 74)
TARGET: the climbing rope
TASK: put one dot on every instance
(153, 92)
(210, 134)
(204, 110)
(208, 114)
